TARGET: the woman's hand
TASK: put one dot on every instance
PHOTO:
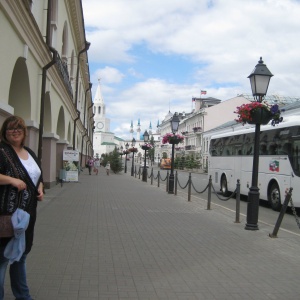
(41, 192)
(19, 184)
(15, 182)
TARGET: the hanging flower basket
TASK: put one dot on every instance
(260, 116)
(126, 152)
(171, 138)
(134, 150)
(147, 147)
(258, 113)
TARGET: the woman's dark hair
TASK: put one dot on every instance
(13, 121)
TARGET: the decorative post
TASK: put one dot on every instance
(259, 79)
(145, 147)
(126, 152)
(173, 140)
(133, 150)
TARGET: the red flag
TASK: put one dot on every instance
(203, 92)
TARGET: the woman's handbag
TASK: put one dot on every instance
(6, 227)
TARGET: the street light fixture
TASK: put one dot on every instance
(146, 139)
(259, 79)
(132, 166)
(126, 152)
(174, 126)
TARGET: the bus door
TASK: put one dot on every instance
(295, 162)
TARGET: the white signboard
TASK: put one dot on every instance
(70, 164)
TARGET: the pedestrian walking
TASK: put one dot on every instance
(96, 165)
(107, 167)
(90, 165)
(21, 186)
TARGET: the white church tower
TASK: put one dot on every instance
(103, 139)
(101, 122)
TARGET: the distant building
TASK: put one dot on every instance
(208, 113)
(104, 141)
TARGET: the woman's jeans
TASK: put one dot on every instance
(17, 273)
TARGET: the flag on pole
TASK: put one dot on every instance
(203, 92)
(193, 99)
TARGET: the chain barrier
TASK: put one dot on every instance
(184, 186)
(295, 213)
(282, 212)
(164, 179)
(223, 199)
(201, 191)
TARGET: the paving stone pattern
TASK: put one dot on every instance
(116, 237)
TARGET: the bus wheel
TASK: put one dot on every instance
(224, 188)
(274, 197)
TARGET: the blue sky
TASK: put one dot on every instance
(155, 55)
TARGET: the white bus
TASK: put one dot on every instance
(231, 158)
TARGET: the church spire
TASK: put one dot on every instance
(98, 96)
(138, 130)
(131, 129)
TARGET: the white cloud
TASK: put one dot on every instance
(109, 75)
(223, 39)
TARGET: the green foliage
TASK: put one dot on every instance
(177, 162)
(164, 155)
(181, 163)
(151, 152)
(115, 161)
(191, 162)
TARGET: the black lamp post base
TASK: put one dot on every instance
(144, 178)
(252, 209)
(171, 184)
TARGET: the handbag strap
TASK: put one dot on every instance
(10, 161)
(16, 174)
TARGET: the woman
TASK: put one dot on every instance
(90, 165)
(96, 165)
(29, 183)
(107, 167)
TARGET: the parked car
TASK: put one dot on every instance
(165, 163)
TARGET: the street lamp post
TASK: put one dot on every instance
(174, 126)
(126, 152)
(121, 154)
(132, 166)
(259, 79)
(146, 139)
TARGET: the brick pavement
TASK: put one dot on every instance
(116, 237)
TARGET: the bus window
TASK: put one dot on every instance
(263, 149)
(272, 149)
(249, 150)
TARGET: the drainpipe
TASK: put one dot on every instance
(43, 94)
(85, 49)
(90, 86)
(44, 78)
(86, 132)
